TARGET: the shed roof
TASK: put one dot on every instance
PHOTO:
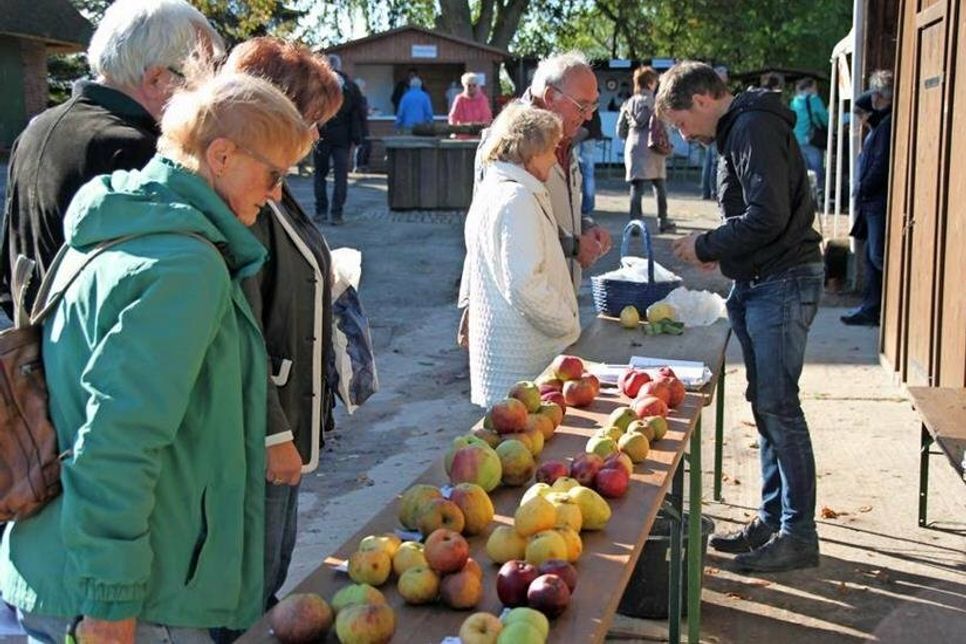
(428, 32)
(55, 22)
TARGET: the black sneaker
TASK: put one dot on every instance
(667, 226)
(754, 535)
(781, 553)
(337, 220)
(860, 319)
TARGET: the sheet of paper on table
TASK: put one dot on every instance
(693, 374)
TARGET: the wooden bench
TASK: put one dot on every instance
(943, 414)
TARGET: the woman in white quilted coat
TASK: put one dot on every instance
(524, 311)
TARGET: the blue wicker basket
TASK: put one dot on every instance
(611, 296)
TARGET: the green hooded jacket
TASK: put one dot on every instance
(157, 377)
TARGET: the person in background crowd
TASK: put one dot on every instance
(564, 84)
(360, 157)
(452, 92)
(641, 163)
(810, 113)
(291, 298)
(336, 137)
(709, 169)
(623, 93)
(472, 105)
(524, 305)
(414, 108)
(587, 137)
(872, 194)
(401, 88)
(768, 246)
(773, 82)
(157, 375)
(138, 56)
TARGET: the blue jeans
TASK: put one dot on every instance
(771, 318)
(874, 258)
(815, 160)
(709, 173)
(339, 157)
(281, 523)
(588, 186)
(42, 629)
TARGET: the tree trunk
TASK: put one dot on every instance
(507, 21)
(481, 30)
(454, 18)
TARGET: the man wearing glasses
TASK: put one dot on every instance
(137, 54)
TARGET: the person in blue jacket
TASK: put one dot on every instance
(810, 113)
(415, 107)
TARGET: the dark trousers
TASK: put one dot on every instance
(709, 173)
(336, 157)
(874, 258)
(637, 195)
(281, 526)
(360, 157)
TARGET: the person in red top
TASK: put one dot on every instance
(472, 105)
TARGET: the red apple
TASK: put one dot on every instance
(549, 594)
(567, 367)
(555, 397)
(461, 590)
(649, 406)
(513, 580)
(446, 551)
(509, 416)
(677, 390)
(612, 482)
(562, 569)
(619, 459)
(585, 468)
(579, 393)
(301, 617)
(553, 384)
(658, 388)
(631, 381)
(668, 372)
(593, 380)
(550, 471)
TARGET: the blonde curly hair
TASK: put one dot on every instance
(520, 133)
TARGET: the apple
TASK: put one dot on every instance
(619, 459)
(461, 590)
(612, 482)
(520, 633)
(300, 617)
(488, 436)
(658, 425)
(476, 506)
(446, 551)
(557, 398)
(667, 372)
(513, 580)
(553, 411)
(566, 483)
(571, 537)
(585, 467)
(677, 390)
(631, 380)
(562, 569)
(516, 461)
(418, 585)
(527, 615)
(621, 417)
(613, 431)
(568, 512)
(601, 445)
(534, 516)
(412, 499)
(649, 406)
(458, 443)
(543, 423)
(550, 471)
(659, 388)
(549, 594)
(388, 542)
(635, 446)
(548, 385)
(474, 567)
(566, 367)
(526, 392)
(642, 427)
(409, 554)
(369, 623)
(594, 509)
(505, 544)
(537, 489)
(539, 430)
(369, 567)
(476, 464)
(440, 513)
(480, 628)
(578, 393)
(593, 380)
(548, 544)
(356, 594)
(509, 416)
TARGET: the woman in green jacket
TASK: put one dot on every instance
(157, 372)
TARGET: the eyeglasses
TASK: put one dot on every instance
(581, 107)
(275, 174)
(176, 73)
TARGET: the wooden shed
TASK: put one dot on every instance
(923, 335)
(383, 61)
(31, 30)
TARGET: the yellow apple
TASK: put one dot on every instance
(593, 507)
(548, 544)
(575, 546)
(505, 544)
(476, 506)
(409, 554)
(418, 585)
(533, 516)
(564, 484)
(387, 542)
(480, 628)
(370, 567)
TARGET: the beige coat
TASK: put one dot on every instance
(640, 161)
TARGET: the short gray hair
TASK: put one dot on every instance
(553, 71)
(520, 133)
(137, 34)
(881, 83)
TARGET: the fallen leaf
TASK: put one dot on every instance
(736, 482)
(753, 445)
(829, 513)
(735, 596)
(725, 477)
(865, 508)
(710, 570)
(842, 588)
(748, 423)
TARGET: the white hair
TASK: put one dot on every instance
(415, 82)
(469, 77)
(137, 34)
(553, 71)
(881, 82)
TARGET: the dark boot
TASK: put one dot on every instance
(781, 553)
(667, 226)
(754, 535)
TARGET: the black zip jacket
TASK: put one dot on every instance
(763, 192)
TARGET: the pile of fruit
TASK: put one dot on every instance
(517, 626)
(568, 383)
(661, 318)
(360, 612)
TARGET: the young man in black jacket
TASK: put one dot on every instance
(137, 55)
(768, 245)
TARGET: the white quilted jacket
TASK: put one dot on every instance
(523, 310)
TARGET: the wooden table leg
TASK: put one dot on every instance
(675, 563)
(719, 432)
(695, 568)
(924, 444)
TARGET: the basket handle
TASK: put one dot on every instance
(626, 242)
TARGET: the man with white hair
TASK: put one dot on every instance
(138, 56)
